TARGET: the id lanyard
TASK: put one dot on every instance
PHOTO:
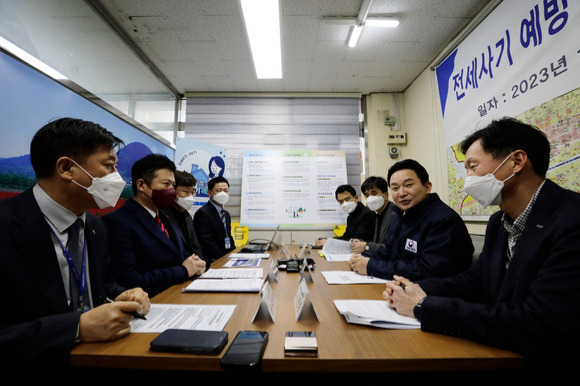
(80, 279)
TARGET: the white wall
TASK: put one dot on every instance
(420, 117)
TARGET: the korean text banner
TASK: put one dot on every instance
(523, 54)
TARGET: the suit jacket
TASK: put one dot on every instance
(382, 225)
(533, 307)
(360, 224)
(211, 233)
(184, 224)
(36, 324)
(141, 254)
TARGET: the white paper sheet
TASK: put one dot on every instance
(350, 277)
(184, 316)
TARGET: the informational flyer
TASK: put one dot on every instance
(292, 187)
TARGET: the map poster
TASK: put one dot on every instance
(559, 119)
(292, 187)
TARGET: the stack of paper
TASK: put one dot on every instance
(228, 280)
(233, 273)
(337, 250)
(376, 313)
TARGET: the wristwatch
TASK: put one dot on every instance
(417, 311)
(367, 247)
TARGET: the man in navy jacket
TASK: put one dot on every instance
(146, 248)
(427, 238)
(523, 292)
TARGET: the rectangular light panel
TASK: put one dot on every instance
(262, 19)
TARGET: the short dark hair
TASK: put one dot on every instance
(68, 137)
(183, 178)
(216, 180)
(146, 168)
(503, 136)
(344, 188)
(375, 182)
(409, 164)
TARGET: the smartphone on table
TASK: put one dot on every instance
(245, 351)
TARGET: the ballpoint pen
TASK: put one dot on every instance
(134, 313)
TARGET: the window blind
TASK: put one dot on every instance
(274, 123)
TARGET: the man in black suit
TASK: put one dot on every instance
(376, 192)
(178, 213)
(47, 301)
(146, 248)
(523, 291)
(360, 222)
(213, 222)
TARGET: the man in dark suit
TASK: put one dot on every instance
(360, 222)
(376, 192)
(523, 291)
(146, 249)
(179, 214)
(48, 301)
(213, 222)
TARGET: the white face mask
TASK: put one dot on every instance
(221, 198)
(348, 206)
(105, 190)
(375, 202)
(486, 189)
(185, 202)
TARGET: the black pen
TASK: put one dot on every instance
(134, 313)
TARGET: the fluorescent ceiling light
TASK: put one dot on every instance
(262, 19)
(31, 60)
(354, 35)
(381, 22)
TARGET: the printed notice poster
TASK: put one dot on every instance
(292, 187)
(204, 161)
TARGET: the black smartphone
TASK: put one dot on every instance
(246, 351)
(190, 341)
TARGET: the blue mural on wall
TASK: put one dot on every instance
(29, 100)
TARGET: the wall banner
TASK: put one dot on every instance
(526, 52)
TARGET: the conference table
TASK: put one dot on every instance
(344, 349)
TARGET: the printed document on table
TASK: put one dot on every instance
(350, 277)
(337, 250)
(233, 273)
(224, 285)
(376, 313)
(184, 316)
(244, 255)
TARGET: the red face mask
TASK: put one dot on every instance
(164, 198)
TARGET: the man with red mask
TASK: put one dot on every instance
(145, 246)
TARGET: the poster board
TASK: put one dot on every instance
(292, 188)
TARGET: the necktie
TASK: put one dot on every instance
(223, 217)
(74, 248)
(161, 225)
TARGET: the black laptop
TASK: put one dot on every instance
(258, 248)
